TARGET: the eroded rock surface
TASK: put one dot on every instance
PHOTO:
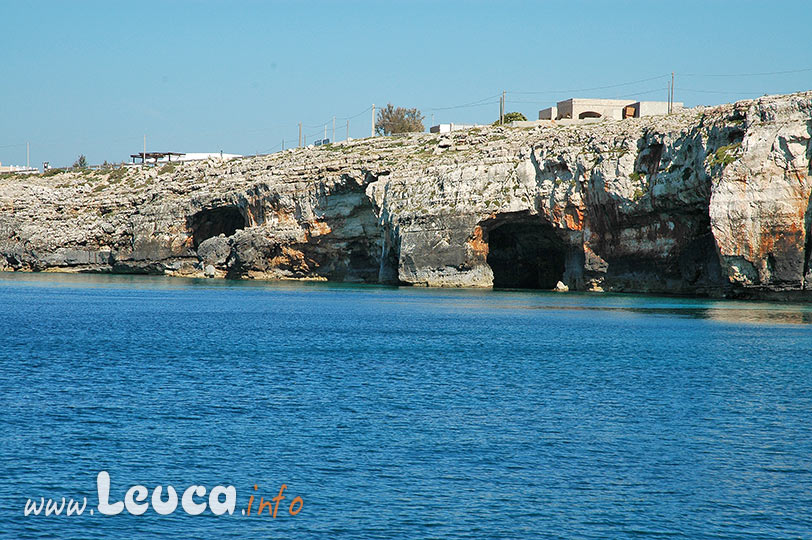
(706, 201)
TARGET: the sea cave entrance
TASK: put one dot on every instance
(524, 253)
(214, 222)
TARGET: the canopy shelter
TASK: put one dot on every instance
(144, 156)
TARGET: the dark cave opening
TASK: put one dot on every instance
(214, 222)
(589, 114)
(525, 254)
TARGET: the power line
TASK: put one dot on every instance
(719, 91)
(477, 103)
(355, 115)
(312, 126)
(630, 94)
(491, 100)
(745, 74)
(589, 89)
(635, 94)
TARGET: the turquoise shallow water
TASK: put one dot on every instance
(405, 413)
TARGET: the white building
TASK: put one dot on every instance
(448, 128)
(618, 109)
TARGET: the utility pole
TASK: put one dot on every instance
(283, 145)
(334, 131)
(300, 134)
(671, 106)
(373, 120)
(27, 155)
(348, 130)
(502, 109)
(144, 156)
(325, 132)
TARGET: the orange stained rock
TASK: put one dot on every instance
(290, 257)
(574, 218)
(557, 213)
(285, 217)
(250, 217)
(318, 228)
(478, 245)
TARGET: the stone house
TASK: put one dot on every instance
(618, 109)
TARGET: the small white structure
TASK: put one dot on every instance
(448, 128)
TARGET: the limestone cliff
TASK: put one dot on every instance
(706, 201)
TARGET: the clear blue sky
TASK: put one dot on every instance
(195, 76)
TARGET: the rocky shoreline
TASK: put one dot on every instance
(708, 201)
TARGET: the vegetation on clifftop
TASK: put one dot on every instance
(511, 117)
(392, 120)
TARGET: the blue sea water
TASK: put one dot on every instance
(404, 413)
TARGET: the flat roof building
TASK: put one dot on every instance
(617, 109)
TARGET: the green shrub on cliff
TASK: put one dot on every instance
(117, 174)
(166, 169)
(512, 117)
(725, 155)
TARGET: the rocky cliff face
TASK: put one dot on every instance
(706, 201)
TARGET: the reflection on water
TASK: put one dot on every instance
(730, 311)
(756, 312)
